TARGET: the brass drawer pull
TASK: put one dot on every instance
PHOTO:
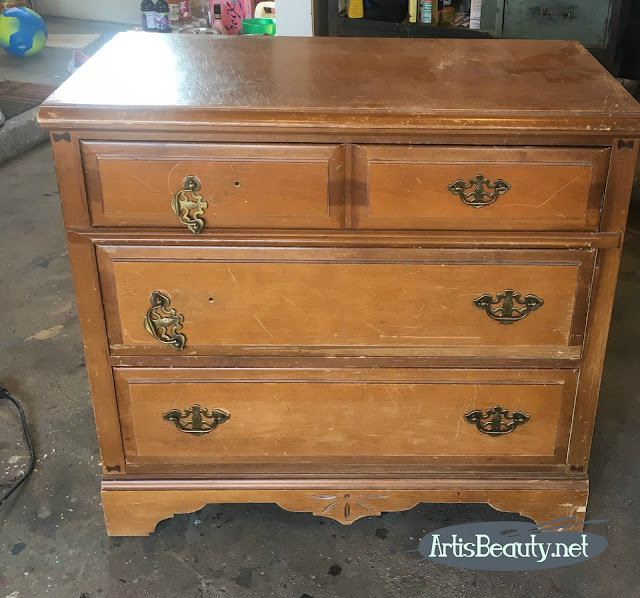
(478, 198)
(508, 313)
(545, 12)
(496, 426)
(163, 322)
(196, 425)
(189, 209)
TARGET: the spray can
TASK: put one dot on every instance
(425, 11)
(474, 16)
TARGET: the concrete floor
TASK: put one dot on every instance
(53, 541)
(50, 65)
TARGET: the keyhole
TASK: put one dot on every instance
(237, 183)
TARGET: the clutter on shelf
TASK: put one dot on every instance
(246, 17)
(458, 13)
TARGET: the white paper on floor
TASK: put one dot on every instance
(75, 41)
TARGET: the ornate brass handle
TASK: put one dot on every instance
(189, 209)
(163, 322)
(478, 198)
(508, 313)
(197, 424)
(496, 426)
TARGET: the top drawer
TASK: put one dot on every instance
(269, 186)
(478, 188)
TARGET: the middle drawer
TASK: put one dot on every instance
(321, 301)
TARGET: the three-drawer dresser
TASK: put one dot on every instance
(345, 276)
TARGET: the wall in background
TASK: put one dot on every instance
(116, 11)
(295, 17)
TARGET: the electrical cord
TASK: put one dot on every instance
(4, 394)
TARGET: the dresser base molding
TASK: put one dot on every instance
(134, 508)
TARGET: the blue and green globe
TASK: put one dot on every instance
(22, 31)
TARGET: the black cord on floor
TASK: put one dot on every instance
(32, 457)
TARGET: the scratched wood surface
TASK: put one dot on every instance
(335, 416)
(275, 185)
(234, 301)
(312, 300)
(408, 187)
(136, 509)
(344, 83)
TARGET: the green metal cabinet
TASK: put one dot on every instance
(592, 22)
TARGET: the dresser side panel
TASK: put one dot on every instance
(89, 300)
(615, 207)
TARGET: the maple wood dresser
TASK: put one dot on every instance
(343, 275)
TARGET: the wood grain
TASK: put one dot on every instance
(343, 415)
(137, 512)
(274, 185)
(407, 187)
(273, 238)
(354, 351)
(252, 298)
(89, 302)
(517, 86)
(618, 193)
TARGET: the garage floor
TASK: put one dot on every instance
(53, 541)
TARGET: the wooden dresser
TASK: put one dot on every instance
(343, 275)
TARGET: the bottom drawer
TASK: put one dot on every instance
(328, 416)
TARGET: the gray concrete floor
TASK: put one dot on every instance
(53, 541)
(50, 65)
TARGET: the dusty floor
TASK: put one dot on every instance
(53, 541)
(50, 65)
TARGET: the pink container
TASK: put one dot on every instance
(233, 13)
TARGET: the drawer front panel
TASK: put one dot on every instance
(394, 415)
(414, 188)
(271, 301)
(287, 186)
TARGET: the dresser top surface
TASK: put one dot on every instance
(158, 79)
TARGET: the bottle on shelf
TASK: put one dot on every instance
(355, 9)
(425, 12)
(476, 13)
(199, 9)
(179, 12)
(163, 24)
(174, 12)
(148, 10)
(413, 11)
(216, 18)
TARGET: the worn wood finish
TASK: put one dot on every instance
(360, 238)
(336, 263)
(407, 187)
(334, 415)
(136, 511)
(234, 300)
(606, 274)
(278, 186)
(89, 301)
(417, 360)
(322, 133)
(518, 85)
